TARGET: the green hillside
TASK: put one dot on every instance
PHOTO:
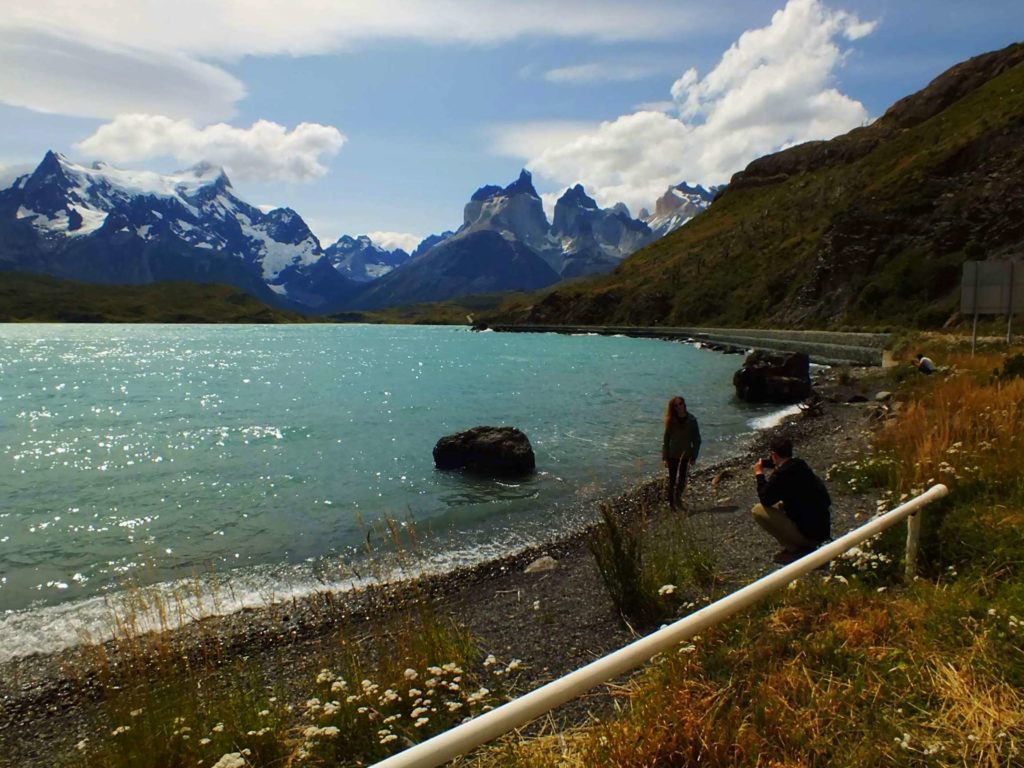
(36, 298)
(868, 229)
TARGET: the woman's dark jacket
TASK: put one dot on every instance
(682, 439)
(804, 498)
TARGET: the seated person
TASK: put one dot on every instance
(795, 506)
(924, 364)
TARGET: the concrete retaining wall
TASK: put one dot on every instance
(825, 347)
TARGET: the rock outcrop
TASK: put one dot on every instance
(486, 450)
(773, 379)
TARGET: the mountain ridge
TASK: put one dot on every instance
(870, 227)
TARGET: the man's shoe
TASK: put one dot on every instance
(787, 556)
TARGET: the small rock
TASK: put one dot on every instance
(542, 564)
(882, 396)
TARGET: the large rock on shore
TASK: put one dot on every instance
(766, 378)
(486, 450)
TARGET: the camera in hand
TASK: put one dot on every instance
(767, 463)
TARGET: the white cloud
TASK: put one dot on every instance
(655, 106)
(391, 240)
(773, 88)
(53, 72)
(155, 57)
(264, 151)
(530, 139)
(600, 72)
(231, 28)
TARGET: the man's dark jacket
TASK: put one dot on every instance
(804, 498)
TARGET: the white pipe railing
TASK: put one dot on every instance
(483, 728)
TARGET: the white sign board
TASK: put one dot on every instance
(992, 288)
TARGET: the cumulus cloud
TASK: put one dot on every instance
(772, 89)
(265, 151)
(392, 240)
(53, 72)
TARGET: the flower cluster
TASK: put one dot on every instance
(399, 712)
(1012, 626)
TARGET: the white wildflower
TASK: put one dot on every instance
(231, 760)
(410, 674)
(666, 589)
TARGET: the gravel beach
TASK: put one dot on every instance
(553, 621)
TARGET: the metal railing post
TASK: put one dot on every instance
(913, 540)
(450, 744)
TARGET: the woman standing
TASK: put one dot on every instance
(679, 447)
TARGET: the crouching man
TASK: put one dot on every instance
(795, 506)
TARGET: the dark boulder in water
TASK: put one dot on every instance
(768, 378)
(486, 450)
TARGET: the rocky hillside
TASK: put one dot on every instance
(869, 228)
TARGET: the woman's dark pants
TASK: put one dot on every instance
(676, 480)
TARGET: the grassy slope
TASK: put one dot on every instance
(878, 241)
(36, 298)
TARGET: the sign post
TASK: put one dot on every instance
(991, 288)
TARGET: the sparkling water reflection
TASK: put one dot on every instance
(149, 452)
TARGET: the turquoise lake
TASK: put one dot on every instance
(264, 454)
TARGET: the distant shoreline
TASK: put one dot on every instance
(824, 347)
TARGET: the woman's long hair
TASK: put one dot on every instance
(670, 412)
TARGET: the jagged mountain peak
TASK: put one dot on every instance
(577, 196)
(486, 192)
(521, 186)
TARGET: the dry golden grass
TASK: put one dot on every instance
(846, 674)
(963, 429)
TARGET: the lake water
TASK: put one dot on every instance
(264, 454)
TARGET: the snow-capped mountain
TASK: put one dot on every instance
(105, 225)
(677, 206)
(361, 259)
(101, 224)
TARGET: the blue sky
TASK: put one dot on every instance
(384, 117)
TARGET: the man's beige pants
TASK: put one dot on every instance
(774, 520)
